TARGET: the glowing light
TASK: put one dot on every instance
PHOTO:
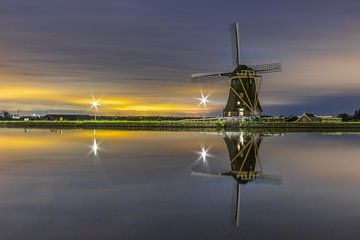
(95, 103)
(203, 99)
(95, 147)
(204, 154)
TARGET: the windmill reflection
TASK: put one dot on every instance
(245, 164)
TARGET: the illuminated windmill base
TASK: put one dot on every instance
(245, 82)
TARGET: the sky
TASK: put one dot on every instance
(136, 56)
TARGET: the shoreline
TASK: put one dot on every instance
(211, 125)
(121, 124)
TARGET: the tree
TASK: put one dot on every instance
(345, 117)
(356, 116)
(5, 115)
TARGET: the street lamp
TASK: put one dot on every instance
(95, 103)
(203, 100)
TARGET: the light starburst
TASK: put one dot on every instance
(203, 154)
(95, 147)
(203, 100)
(95, 103)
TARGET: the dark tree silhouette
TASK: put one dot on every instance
(345, 117)
(356, 116)
(5, 115)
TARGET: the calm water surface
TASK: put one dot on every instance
(82, 184)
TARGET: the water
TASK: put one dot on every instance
(81, 184)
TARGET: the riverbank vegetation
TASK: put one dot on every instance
(185, 123)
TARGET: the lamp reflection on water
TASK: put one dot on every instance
(202, 159)
(95, 147)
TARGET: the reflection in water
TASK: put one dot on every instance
(204, 154)
(203, 157)
(47, 185)
(245, 163)
(59, 131)
(95, 147)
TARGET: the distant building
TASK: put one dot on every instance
(330, 119)
(310, 117)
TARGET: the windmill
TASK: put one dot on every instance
(245, 81)
(245, 164)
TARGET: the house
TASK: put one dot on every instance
(310, 117)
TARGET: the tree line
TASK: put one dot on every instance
(347, 117)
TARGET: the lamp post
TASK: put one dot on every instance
(95, 104)
(203, 101)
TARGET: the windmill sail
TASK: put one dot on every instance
(208, 77)
(267, 68)
(235, 42)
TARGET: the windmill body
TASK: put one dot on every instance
(243, 99)
(245, 82)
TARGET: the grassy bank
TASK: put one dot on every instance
(302, 125)
(184, 124)
(120, 124)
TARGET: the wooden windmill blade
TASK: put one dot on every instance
(235, 214)
(267, 68)
(205, 174)
(269, 179)
(209, 77)
(235, 42)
